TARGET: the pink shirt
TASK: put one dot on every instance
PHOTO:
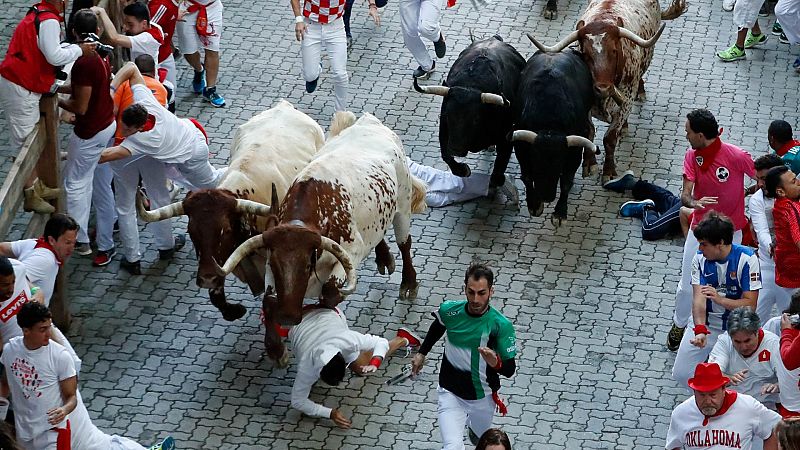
(723, 179)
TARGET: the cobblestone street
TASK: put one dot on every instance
(590, 301)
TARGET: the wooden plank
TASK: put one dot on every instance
(36, 226)
(11, 193)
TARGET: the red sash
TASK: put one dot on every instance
(199, 127)
(785, 413)
(64, 440)
(42, 243)
(202, 20)
(501, 407)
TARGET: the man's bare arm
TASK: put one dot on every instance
(78, 102)
(116, 39)
(113, 154)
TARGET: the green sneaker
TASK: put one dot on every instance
(777, 29)
(732, 54)
(166, 444)
(753, 40)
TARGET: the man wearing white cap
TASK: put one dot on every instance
(325, 346)
(717, 418)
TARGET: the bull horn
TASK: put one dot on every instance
(494, 99)
(572, 37)
(251, 207)
(618, 97)
(579, 141)
(247, 247)
(636, 39)
(163, 213)
(435, 90)
(524, 135)
(341, 254)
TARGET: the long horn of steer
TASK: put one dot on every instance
(494, 99)
(251, 207)
(635, 38)
(618, 96)
(163, 213)
(572, 37)
(435, 90)
(580, 141)
(247, 247)
(524, 135)
(350, 274)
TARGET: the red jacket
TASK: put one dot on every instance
(24, 64)
(164, 13)
(790, 348)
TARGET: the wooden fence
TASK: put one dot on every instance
(41, 150)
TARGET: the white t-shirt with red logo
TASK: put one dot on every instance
(41, 265)
(745, 421)
(722, 178)
(761, 366)
(9, 308)
(34, 376)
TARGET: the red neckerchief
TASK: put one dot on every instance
(199, 127)
(708, 153)
(730, 397)
(150, 123)
(42, 243)
(47, 7)
(760, 336)
(782, 151)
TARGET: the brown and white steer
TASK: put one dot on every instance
(616, 39)
(270, 149)
(337, 210)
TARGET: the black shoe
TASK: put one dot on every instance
(422, 74)
(439, 47)
(311, 86)
(621, 184)
(674, 337)
(133, 268)
(180, 241)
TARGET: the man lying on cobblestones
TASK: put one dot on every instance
(49, 413)
(715, 417)
(725, 276)
(480, 346)
(325, 347)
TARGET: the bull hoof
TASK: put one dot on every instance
(382, 268)
(550, 14)
(536, 212)
(460, 170)
(409, 291)
(590, 171)
(233, 312)
(557, 219)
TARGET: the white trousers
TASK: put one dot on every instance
(689, 356)
(683, 293)
(745, 13)
(444, 188)
(21, 110)
(332, 37)
(787, 12)
(420, 19)
(455, 412)
(44, 441)
(83, 187)
(172, 73)
(197, 172)
(126, 180)
(770, 295)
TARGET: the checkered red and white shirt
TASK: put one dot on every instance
(323, 11)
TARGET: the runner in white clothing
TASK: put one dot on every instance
(325, 346)
(715, 418)
(48, 409)
(150, 129)
(142, 37)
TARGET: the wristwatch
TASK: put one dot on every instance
(298, 19)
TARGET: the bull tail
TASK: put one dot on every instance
(675, 10)
(341, 121)
(418, 191)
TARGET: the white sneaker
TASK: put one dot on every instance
(727, 5)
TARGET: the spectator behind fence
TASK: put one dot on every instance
(28, 71)
(86, 182)
(494, 439)
(788, 433)
(49, 412)
(782, 185)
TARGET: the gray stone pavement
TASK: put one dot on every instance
(591, 302)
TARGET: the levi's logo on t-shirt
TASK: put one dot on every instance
(763, 356)
(13, 307)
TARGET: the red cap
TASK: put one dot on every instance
(707, 377)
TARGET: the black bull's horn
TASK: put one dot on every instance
(623, 32)
(572, 140)
(486, 97)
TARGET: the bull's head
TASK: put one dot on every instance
(601, 47)
(293, 253)
(215, 226)
(465, 110)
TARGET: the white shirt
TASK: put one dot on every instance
(321, 334)
(145, 44)
(746, 420)
(41, 265)
(49, 42)
(172, 140)
(763, 225)
(34, 377)
(9, 308)
(761, 366)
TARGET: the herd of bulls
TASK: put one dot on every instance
(296, 214)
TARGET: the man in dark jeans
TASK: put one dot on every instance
(660, 210)
(348, 7)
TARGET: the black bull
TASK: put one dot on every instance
(475, 108)
(554, 101)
